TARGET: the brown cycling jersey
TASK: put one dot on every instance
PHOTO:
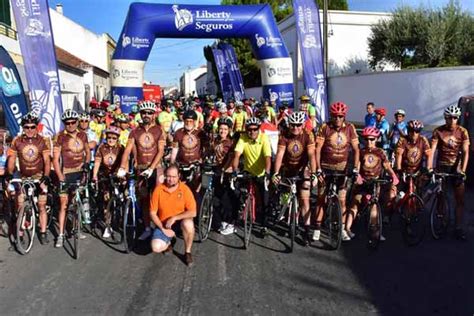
(72, 150)
(30, 154)
(296, 151)
(371, 162)
(147, 143)
(189, 145)
(412, 153)
(450, 142)
(336, 145)
(109, 158)
(222, 150)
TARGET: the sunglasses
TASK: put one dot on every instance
(31, 127)
(296, 125)
(70, 123)
(84, 121)
(147, 113)
(371, 139)
(113, 138)
(339, 116)
(252, 129)
(451, 117)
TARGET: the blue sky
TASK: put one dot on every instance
(170, 57)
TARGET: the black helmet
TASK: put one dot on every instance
(225, 121)
(30, 117)
(190, 115)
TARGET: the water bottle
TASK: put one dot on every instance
(86, 210)
(400, 196)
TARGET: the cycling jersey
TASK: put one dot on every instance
(109, 158)
(371, 162)
(370, 120)
(165, 119)
(273, 133)
(222, 151)
(450, 142)
(412, 153)
(199, 121)
(254, 152)
(98, 128)
(189, 145)
(271, 113)
(384, 127)
(296, 151)
(147, 142)
(72, 149)
(239, 121)
(398, 130)
(30, 154)
(123, 138)
(175, 126)
(336, 145)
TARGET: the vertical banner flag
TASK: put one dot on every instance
(235, 76)
(226, 85)
(12, 96)
(37, 46)
(309, 39)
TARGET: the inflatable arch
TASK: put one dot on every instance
(147, 21)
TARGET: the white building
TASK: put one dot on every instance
(187, 81)
(201, 84)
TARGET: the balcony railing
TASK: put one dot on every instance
(7, 31)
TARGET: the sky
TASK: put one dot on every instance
(169, 58)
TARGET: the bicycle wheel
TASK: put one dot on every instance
(25, 228)
(76, 229)
(413, 220)
(292, 227)
(205, 216)
(248, 221)
(375, 228)
(439, 216)
(129, 226)
(114, 210)
(334, 224)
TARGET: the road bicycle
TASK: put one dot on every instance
(74, 215)
(332, 220)
(206, 210)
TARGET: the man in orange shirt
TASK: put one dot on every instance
(171, 202)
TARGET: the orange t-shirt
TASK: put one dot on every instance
(167, 204)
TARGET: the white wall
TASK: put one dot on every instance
(72, 90)
(422, 93)
(189, 80)
(201, 85)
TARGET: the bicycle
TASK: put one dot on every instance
(333, 215)
(75, 213)
(189, 172)
(440, 213)
(412, 211)
(206, 210)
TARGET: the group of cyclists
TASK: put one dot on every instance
(268, 142)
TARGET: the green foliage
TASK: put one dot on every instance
(281, 9)
(418, 38)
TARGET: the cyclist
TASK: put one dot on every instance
(200, 118)
(282, 119)
(451, 142)
(147, 143)
(123, 122)
(295, 153)
(33, 154)
(166, 116)
(305, 104)
(98, 122)
(177, 124)
(384, 128)
(334, 142)
(84, 121)
(268, 128)
(398, 129)
(255, 148)
(71, 157)
(239, 117)
(107, 161)
(370, 118)
(223, 114)
(270, 111)
(373, 161)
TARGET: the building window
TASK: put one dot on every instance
(5, 12)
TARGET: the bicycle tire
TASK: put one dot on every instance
(114, 209)
(129, 227)
(439, 216)
(413, 220)
(292, 227)
(334, 224)
(76, 227)
(374, 238)
(248, 221)
(25, 228)
(205, 216)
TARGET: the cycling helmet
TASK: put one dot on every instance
(284, 105)
(147, 106)
(111, 108)
(84, 116)
(134, 109)
(296, 118)
(30, 118)
(190, 115)
(69, 115)
(253, 121)
(452, 110)
(222, 108)
(415, 125)
(113, 130)
(338, 108)
(381, 111)
(305, 98)
(98, 112)
(122, 118)
(225, 121)
(370, 132)
(239, 104)
(400, 112)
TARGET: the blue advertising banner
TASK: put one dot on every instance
(309, 39)
(235, 76)
(37, 47)
(12, 96)
(222, 71)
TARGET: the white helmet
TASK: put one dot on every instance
(400, 112)
(296, 118)
(253, 121)
(452, 110)
(147, 106)
(69, 115)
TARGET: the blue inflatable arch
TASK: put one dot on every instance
(147, 21)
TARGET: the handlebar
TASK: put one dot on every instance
(241, 176)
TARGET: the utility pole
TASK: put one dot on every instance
(325, 37)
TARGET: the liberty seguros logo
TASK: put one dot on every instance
(203, 20)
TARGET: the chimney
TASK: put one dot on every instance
(59, 8)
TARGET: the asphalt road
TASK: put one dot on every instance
(434, 278)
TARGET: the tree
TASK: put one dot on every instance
(418, 38)
(281, 9)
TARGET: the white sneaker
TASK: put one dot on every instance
(345, 235)
(382, 238)
(146, 234)
(107, 233)
(229, 229)
(316, 234)
(223, 226)
(59, 241)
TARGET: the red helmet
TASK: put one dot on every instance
(381, 111)
(370, 132)
(338, 108)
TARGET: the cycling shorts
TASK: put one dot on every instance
(70, 182)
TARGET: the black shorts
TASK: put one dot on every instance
(70, 182)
